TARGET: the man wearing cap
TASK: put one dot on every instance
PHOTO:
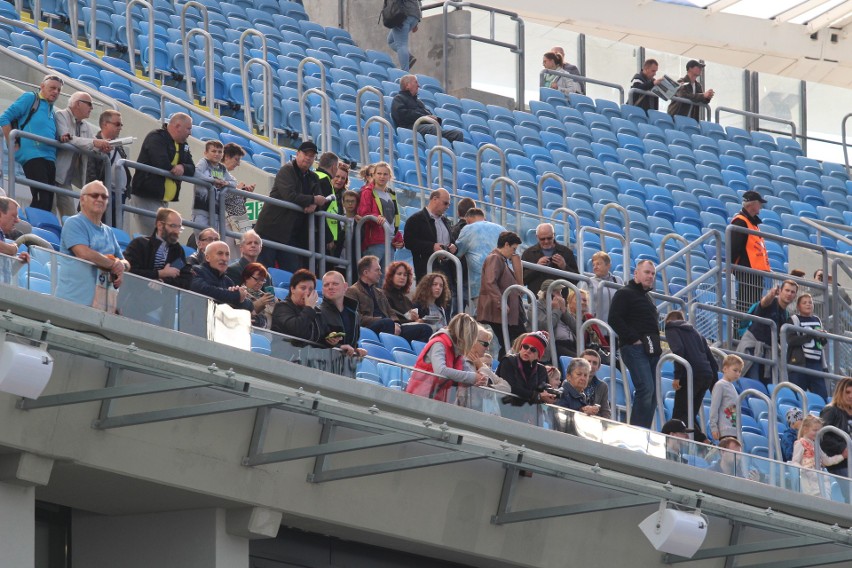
(749, 251)
(692, 90)
(788, 437)
(634, 317)
(297, 184)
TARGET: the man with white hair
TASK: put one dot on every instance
(209, 279)
(250, 247)
(546, 253)
(72, 128)
(8, 220)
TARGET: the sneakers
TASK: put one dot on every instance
(411, 61)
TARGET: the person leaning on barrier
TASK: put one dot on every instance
(634, 318)
(110, 128)
(166, 149)
(8, 220)
(757, 339)
(295, 183)
(527, 377)
(33, 113)
(86, 237)
(207, 236)
(72, 128)
(692, 90)
(339, 321)
(160, 256)
(296, 316)
(209, 279)
(645, 81)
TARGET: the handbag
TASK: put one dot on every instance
(429, 386)
(392, 15)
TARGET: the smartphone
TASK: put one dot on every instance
(335, 335)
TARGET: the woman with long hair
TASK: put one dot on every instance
(378, 199)
(399, 278)
(838, 413)
(432, 298)
(444, 356)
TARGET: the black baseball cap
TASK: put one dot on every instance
(693, 63)
(308, 147)
(752, 196)
(676, 426)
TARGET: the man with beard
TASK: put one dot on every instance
(160, 256)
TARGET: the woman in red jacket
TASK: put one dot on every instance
(444, 356)
(379, 199)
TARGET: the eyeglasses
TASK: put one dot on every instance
(484, 343)
(208, 239)
(529, 347)
(256, 278)
(545, 238)
(103, 196)
(89, 103)
(118, 124)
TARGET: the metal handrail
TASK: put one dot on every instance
(300, 80)
(774, 398)
(268, 100)
(827, 228)
(325, 109)
(516, 48)
(703, 108)
(389, 232)
(459, 272)
(789, 328)
(479, 152)
(386, 128)
(131, 41)
(845, 145)
(504, 307)
(749, 114)
(324, 257)
(362, 130)
(208, 66)
(242, 45)
(13, 181)
(441, 150)
(566, 227)
(818, 450)
(626, 216)
(583, 79)
(69, 81)
(505, 181)
(415, 141)
(837, 303)
(690, 389)
(202, 9)
(581, 261)
(773, 419)
(543, 178)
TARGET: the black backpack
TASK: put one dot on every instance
(392, 14)
(20, 126)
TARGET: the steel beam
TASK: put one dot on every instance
(329, 448)
(749, 548)
(505, 518)
(807, 561)
(392, 466)
(108, 393)
(180, 412)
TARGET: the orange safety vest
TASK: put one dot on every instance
(755, 247)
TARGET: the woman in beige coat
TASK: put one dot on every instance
(501, 269)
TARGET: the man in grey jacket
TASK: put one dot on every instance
(71, 127)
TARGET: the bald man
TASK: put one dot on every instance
(209, 279)
(428, 231)
(165, 149)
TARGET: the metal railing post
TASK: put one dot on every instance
(690, 389)
(479, 152)
(459, 272)
(504, 306)
(363, 133)
(131, 42)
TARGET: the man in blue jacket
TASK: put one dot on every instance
(33, 112)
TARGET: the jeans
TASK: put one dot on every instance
(398, 40)
(810, 382)
(642, 369)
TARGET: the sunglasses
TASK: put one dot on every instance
(524, 346)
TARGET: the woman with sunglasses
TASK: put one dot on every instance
(478, 359)
(528, 377)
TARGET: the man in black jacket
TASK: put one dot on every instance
(407, 108)
(165, 149)
(645, 81)
(209, 279)
(158, 257)
(297, 184)
(635, 319)
(546, 253)
(338, 315)
(428, 231)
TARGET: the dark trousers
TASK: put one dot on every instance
(449, 134)
(43, 170)
(681, 404)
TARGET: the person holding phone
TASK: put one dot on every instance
(255, 278)
(296, 315)
(160, 256)
(339, 321)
